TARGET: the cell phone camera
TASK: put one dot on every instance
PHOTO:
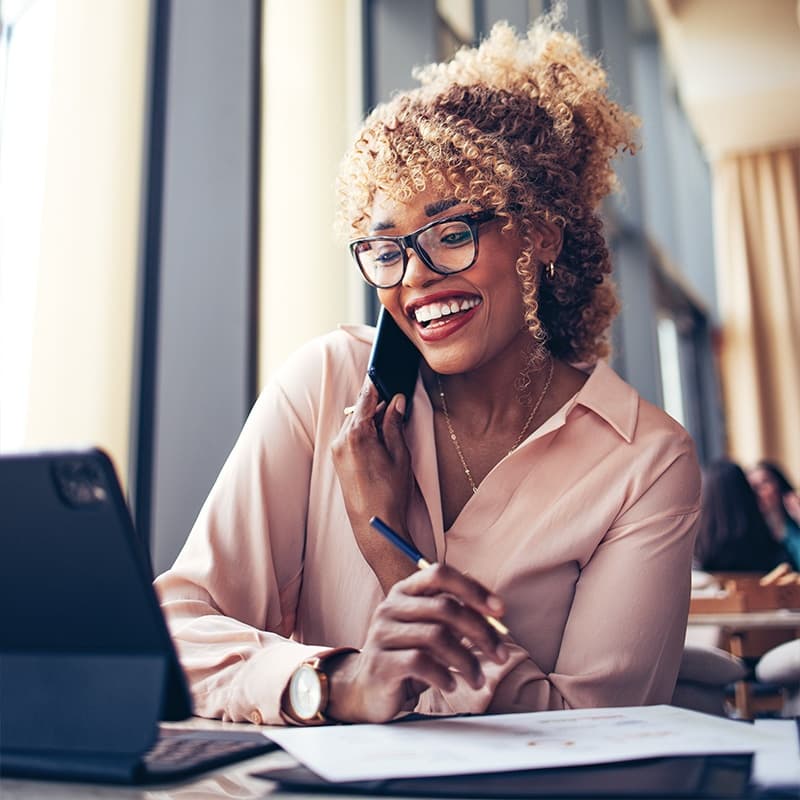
(80, 483)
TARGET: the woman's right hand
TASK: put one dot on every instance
(373, 464)
(418, 637)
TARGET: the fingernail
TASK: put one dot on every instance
(401, 406)
(502, 652)
(495, 603)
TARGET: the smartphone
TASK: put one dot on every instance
(394, 361)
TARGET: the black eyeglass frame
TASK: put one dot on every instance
(473, 220)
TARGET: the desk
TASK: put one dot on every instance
(739, 628)
(779, 619)
(228, 782)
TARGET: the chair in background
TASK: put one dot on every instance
(748, 615)
(703, 678)
(781, 667)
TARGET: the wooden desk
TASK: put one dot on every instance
(748, 634)
(780, 619)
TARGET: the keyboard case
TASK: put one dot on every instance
(87, 666)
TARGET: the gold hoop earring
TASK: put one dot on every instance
(550, 270)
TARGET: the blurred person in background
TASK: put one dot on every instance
(780, 504)
(733, 535)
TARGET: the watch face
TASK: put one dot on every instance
(305, 692)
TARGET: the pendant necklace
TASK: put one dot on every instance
(519, 438)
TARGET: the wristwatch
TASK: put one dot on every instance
(307, 693)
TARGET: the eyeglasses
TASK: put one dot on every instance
(446, 246)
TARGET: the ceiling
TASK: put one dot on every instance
(737, 67)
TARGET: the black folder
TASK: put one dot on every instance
(680, 777)
(87, 666)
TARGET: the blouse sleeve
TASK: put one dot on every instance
(624, 637)
(230, 597)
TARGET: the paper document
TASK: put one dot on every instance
(778, 767)
(504, 742)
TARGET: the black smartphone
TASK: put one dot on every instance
(394, 361)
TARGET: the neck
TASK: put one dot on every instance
(485, 392)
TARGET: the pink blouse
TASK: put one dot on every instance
(586, 530)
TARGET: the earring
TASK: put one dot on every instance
(550, 270)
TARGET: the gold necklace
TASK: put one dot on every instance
(519, 439)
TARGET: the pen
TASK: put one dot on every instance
(422, 563)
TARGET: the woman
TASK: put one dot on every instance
(546, 490)
(732, 535)
(780, 505)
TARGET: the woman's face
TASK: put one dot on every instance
(484, 303)
(766, 489)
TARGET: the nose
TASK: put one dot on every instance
(418, 273)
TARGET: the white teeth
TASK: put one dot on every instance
(434, 311)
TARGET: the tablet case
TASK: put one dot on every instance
(87, 666)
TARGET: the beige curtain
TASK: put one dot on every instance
(757, 238)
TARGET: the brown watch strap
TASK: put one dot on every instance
(318, 662)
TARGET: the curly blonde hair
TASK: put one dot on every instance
(522, 125)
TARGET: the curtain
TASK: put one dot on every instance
(757, 240)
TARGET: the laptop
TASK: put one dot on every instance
(87, 665)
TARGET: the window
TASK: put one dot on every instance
(670, 364)
(687, 367)
(26, 58)
(455, 26)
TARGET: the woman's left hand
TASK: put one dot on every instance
(374, 468)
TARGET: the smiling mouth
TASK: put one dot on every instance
(438, 313)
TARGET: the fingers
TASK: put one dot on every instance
(453, 623)
(441, 578)
(360, 425)
(444, 651)
(392, 427)
(437, 617)
(419, 666)
(367, 404)
(370, 419)
(458, 601)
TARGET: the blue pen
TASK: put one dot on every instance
(421, 562)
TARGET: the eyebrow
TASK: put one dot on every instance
(431, 210)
